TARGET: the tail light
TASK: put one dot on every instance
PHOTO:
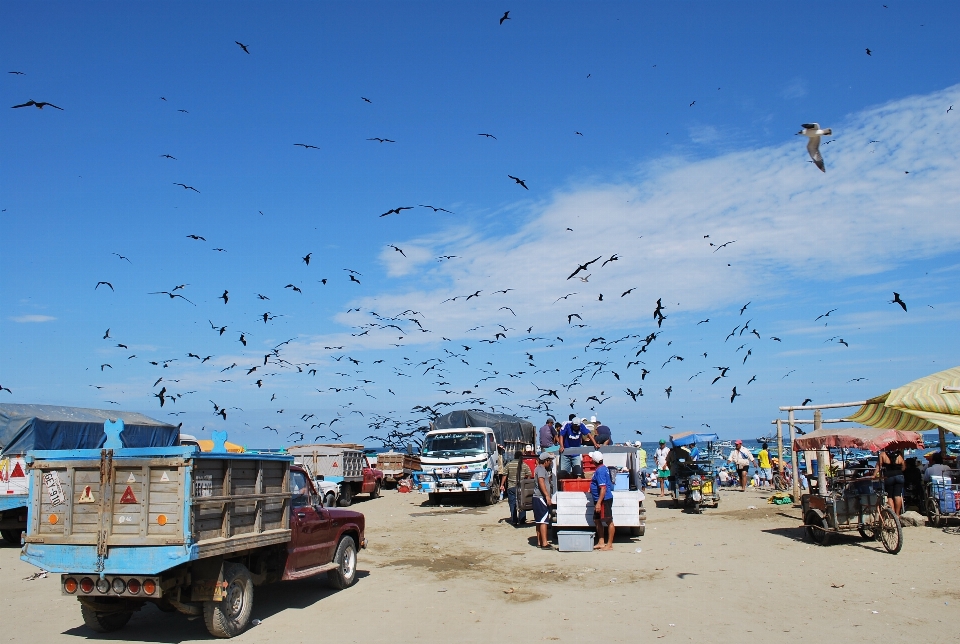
(86, 585)
(103, 586)
(149, 587)
(118, 585)
(70, 585)
(133, 586)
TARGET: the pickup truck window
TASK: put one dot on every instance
(455, 444)
(299, 488)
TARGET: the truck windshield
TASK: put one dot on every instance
(454, 444)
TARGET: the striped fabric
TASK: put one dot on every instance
(919, 406)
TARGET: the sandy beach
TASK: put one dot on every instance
(434, 574)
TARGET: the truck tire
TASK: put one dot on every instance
(343, 576)
(376, 490)
(329, 500)
(491, 496)
(433, 498)
(102, 622)
(11, 536)
(230, 616)
(346, 495)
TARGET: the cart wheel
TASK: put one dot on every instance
(891, 534)
(868, 531)
(816, 527)
(933, 511)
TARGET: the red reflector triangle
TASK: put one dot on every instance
(128, 496)
(335, 464)
(17, 472)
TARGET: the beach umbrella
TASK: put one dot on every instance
(922, 405)
(869, 438)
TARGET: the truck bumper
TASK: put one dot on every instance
(430, 483)
(121, 560)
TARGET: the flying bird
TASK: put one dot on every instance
(396, 211)
(242, 46)
(295, 289)
(824, 315)
(306, 258)
(434, 208)
(366, 99)
(489, 136)
(520, 182)
(722, 245)
(354, 279)
(896, 300)
(869, 53)
(122, 257)
(583, 267)
(226, 298)
(307, 146)
(377, 138)
(167, 156)
(734, 394)
(506, 16)
(627, 292)
(196, 237)
(813, 132)
(39, 105)
(744, 307)
(99, 283)
(613, 258)
(805, 401)
(171, 294)
(668, 391)
(397, 249)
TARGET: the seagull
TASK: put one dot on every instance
(397, 249)
(377, 138)
(306, 146)
(39, 105)
(813, 132)
(186, 187)
(122, 257)
(489, 136)
(366, 99)
(519, 181)
(242, 46)
(896, 300)
(734, 394)
(506, 16)
(396, 211)
(99, 283)
(167, 156)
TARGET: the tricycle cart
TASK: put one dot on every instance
(693, 479)
(854, 503)
(943, 497)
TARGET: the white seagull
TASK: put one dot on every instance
(813, 132)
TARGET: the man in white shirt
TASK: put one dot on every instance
(663, 472)
(741, 457)
(936, 468)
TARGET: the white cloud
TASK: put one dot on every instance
(878, 205)
(33, 318)
(796, 88)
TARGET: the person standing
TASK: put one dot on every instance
(602, 434)
(516, 471)
(663, 472)
(548, 435)
(574, 434)
(741, 457)
(641, 465)
(763, 462)
(546, 487)
(601, 489)
(890, 467)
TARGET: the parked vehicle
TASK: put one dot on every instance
(693, 478)
(343, 464)
(186, 530)
(328, 490)
(460, 455)
(397, 465)
(27, 427)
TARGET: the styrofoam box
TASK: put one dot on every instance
(575, 541)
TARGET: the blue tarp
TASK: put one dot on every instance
(29, 427)
(507, 429)
(690, 438)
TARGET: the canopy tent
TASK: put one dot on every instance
(868, 438)
(922, 405)
(26, 427)
(690, 438)
(508, 429)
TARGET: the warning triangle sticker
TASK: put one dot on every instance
(87, 496)
(335, 464)
(17, 472)
(131, 478)
(128, 496)
(164, 477)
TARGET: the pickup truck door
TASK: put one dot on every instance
(311, 526)
(369, 480)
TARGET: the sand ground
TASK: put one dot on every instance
(459, 573)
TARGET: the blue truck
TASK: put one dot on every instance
(189, 531)
(30, 427)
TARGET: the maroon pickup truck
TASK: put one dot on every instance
(188, 531)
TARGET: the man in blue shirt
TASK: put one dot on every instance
(601, 489)
(574, 434)
(601, 432)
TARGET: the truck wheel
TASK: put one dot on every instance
(11, 536)
(433, 498)
(346, 495)
(230, 616)
(376, 490)
(102, 622)
(492, 496)
(343, 576)
(329, 500)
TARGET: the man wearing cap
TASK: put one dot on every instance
(601, 489)
(743, 459)
(574, 434)
(663, 472)
(601, 433)
(548, 435)
(641, 465)
(546, 487)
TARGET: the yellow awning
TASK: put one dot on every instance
(922, 405)
(207, 446)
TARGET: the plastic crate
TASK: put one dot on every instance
(574, 485)
(622, 482)
(575, 541)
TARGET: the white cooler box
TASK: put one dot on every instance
(576, 509)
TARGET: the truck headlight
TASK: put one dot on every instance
(478, 476)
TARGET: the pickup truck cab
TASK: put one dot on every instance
(186, 530)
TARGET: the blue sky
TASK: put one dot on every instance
(686, 114)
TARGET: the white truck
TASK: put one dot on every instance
(342, 464)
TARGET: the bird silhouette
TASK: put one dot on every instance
(896, 300)
(167, 156)
(668, 391)
(396, 249)
(377, 138)
(434, 208)
(171, 294)
(489, 136)
(295, 288)
(242, 46)
(306, 258)
(226, 298)
(583, 267)
(39, 105)
(813, 133)
(99, 283)
(396, 211)
(734, 394)
(186, 187)
(307, 146)
(354, 279)
(506, 16)
(520, 182)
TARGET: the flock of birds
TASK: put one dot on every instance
(631, 362)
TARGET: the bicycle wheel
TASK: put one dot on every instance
(891, 533)
(933, 511)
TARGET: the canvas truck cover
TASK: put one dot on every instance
(509, 430)
(49, 427)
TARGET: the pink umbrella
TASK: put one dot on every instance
(868, 438)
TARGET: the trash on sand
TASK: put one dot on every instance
(639, 550)
(255, 622)
(837, 585)
(509, 591)
(37, 575)
(442, 590)
(751, 507)
(875, 612)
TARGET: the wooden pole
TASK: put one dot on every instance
(780, 445)
(943, 443)
(793, 458)
(823, 456)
